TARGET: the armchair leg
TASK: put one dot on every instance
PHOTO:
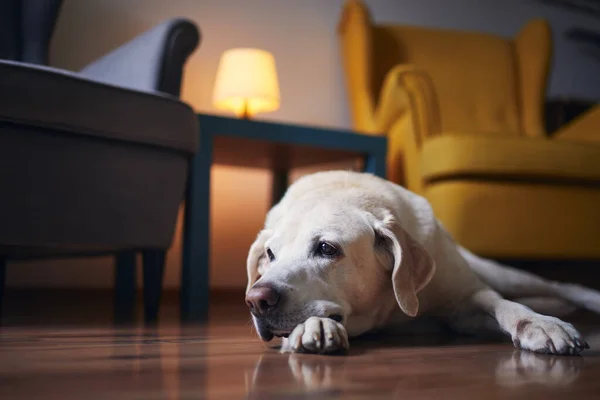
(154, 266)
(2, 283)
(125, 287)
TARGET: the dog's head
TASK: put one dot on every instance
(332, 260)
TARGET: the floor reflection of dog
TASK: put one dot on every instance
(309, 375)
(524, 368)
(318, 373)
(333, 376)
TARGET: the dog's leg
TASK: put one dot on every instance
(474, 321)
(528, 330)
(514, 283)
(317, 335)
(554, 306)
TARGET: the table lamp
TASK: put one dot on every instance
(246, 82)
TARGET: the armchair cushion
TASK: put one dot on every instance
(525, 159)
(50, 98)
(583, 129)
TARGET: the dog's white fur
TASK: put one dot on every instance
(396, 262)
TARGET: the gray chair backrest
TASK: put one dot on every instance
(26, 27)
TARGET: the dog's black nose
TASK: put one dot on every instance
(262, 299)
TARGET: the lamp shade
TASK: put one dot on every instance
(246, 82)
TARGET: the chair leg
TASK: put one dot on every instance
(2, 283)
(154, 267)
(125, 287)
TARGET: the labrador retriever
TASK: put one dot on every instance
(345, 253)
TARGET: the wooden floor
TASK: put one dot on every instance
(225, 360)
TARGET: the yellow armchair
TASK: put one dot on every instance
(463, 113)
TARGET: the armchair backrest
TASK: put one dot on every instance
(485, 84)
(26, 27)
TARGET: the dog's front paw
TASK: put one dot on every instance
(317, 335)
(549, 335)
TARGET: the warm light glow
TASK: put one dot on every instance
(246, 82)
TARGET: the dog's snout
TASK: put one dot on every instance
(262, 299)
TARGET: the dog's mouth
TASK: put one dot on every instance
(264, 331)
(267, 333)
(281, 334)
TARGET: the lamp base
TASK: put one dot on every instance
(245, 114)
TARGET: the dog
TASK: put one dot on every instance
(346, 253)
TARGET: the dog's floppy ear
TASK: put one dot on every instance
(412, 265)
(256, 258)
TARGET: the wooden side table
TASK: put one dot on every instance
(256, 144)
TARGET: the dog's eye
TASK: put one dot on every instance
(326, 250)
(270, 255)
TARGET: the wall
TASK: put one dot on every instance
(302, 36)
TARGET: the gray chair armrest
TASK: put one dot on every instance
(151, 62)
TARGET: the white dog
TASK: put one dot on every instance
(344, 253)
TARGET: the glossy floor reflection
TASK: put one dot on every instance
(225, 360)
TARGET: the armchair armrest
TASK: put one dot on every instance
(585, 128)
(407, 111)
(409, 89)
(153, 61)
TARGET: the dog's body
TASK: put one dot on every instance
(345, 253)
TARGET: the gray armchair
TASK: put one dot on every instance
(93, 162)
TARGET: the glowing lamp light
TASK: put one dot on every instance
(246, 82)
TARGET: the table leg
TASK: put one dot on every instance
(376, 164)
(279, 184)
(196, 234)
